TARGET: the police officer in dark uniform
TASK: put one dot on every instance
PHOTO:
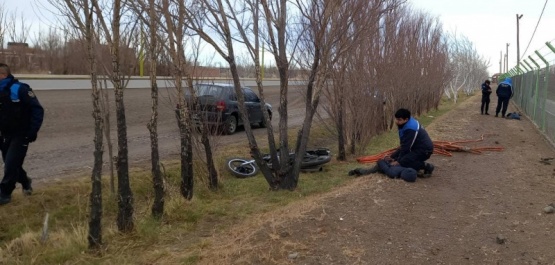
(416, 147)
(486, 92)
(20, 120)
(504, 94)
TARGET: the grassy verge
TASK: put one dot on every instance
(186, 222)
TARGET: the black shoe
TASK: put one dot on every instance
(482, 113)
(487, 113)
(428, 169)
(5, 199)
(28, 189)
(496, 115)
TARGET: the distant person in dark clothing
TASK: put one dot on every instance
(486, 92)
(21, 117)
(415, 147)
(504, 94)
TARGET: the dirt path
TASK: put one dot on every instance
(476, 209)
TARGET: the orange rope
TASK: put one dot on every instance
(440, 148)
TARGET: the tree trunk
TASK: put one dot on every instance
(341, 152)
(254, 150)
(107, 130)
(312, 100)
(157, 180)
(186, 154)
(95, 221)
(205, 140)
(212, 173)
(125, 195)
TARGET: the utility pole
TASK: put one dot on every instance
(500, 61)
(518, 17)
(507, 59)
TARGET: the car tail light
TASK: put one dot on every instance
(220, 105)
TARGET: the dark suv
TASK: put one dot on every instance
(219, 107)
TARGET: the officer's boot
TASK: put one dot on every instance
(428, 169)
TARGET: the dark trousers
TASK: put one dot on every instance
(390, 171)
(396, 171)
(485, 105)
(502, 102)
(14, 150)
(415, 160)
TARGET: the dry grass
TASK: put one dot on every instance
(228, 247)
(213, 228)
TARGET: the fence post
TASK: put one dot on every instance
(529, 66)
(549, 73)
(550, 46)
(537, 85)
(525, 68)
(546, 76)
(512, 72)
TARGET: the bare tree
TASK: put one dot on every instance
(105, 106)
(157, 180)
(3, 24)
(149, 13)
(80, 15)
(174, 19)
(275, 17)
(18, 32)
(399, 61)
(244, 18)
(328, 36)
(112, 36)
(218, 30)
(225, 17)
(468, 68)
(52, 45)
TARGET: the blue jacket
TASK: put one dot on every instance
(20, 111)
(505, 88)
(413, 138)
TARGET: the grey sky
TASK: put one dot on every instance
(489, 24)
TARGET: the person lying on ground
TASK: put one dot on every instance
(392, 171)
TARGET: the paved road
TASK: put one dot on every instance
(82, 82)
(65, 143)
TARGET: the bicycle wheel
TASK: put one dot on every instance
(242, 168)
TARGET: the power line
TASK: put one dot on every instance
(531, 38)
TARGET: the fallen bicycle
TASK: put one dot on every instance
(313, 160)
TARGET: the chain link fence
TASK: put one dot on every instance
(534, 93)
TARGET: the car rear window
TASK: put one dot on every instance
(208, 90)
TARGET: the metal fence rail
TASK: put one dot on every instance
(534, 91)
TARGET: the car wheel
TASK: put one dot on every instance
(231, 125)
